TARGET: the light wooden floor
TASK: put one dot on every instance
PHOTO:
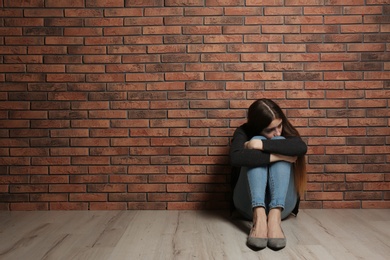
(314, 234)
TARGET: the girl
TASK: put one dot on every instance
(269, 172)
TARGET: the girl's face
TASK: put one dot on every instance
(274, 129)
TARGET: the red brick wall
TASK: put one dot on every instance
(130, 104)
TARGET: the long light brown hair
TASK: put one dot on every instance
(260, 114)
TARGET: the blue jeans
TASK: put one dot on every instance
(269, 186)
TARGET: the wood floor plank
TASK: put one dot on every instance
(117, 235)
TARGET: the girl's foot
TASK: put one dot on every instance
(259, 228)
(257, 238)
(276, 238)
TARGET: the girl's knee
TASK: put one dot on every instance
(278, 137)
(259, 137)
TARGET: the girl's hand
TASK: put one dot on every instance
(280, 157)
(254, 144)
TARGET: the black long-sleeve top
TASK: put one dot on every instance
(241, 156)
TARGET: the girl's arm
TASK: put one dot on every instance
(258, 144)
(292, 146)
(280, 157)
(259, 152)
(242, 156)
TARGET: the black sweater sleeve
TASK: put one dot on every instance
(240, 156)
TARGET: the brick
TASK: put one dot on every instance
(131, 160)
(166, 197)
(103, 22)
(186, 206)
(67, 114)
(86, 50)
(62, 59)
(39, 179)
(24, 41)
(146, 188)
(363, 10)
(90, 142)
(105, 169)
(47, 50)
(25, 96)
(13, 50)
(68, 170)
(359, 28)
(130, 123)
(90, 160)
(109, 151)
(42, 31)
(107, 114)
(29, 206)
(23, 59)
(106, 188)
(23, 22)
(343, 38)
(90, 197)
(109, 3)
(375, 204)
(70, 12)
(348, 2)
(83, 31)
(146, 169)
(85, 68)
(304, 20)
(342, 205)
(184, 3)
(223, 76)
(362, 66)
(29, 152)
(68, 151)
(68, 206)
(146, 205)
(127, 179)
(27, 77)
(49, 197)
(280, 29)
(180, 57)
(14, 179)
(144, 77)
(364, 47)
(104, 77)
(167, 179)
(325, 10)
(286, 48)
(129, 12)
(164, 67)
(125, 197)
(222, 39)
(22, 3)
(28, 189)
(66, 3)
(11, 12)
(102, 59)
(183, 39)
(65, 77)
(29, 170)
(282, 10)
(377, 186)
(324, 196)
(271, 38)
(240, 30)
